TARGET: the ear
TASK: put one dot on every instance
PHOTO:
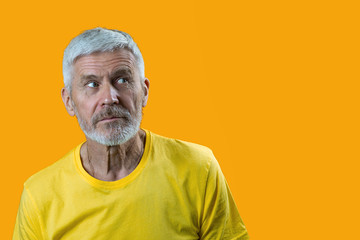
(146, 86)
(67, 101)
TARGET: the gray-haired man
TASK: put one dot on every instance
(124, 182)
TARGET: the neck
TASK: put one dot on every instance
(111, 163)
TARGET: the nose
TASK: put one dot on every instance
(109, 95)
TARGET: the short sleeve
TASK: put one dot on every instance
(27, 225)
(221, 218)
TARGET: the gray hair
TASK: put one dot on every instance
(98, 40)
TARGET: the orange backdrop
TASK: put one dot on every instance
(271, 86)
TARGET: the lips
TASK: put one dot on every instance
(108, 119)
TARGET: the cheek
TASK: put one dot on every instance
(86, 109)
(128, 98)
(128, 102)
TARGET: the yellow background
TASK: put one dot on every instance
(271, 86)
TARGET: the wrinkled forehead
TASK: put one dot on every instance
(105, 61)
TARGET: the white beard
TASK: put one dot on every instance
(117, 132)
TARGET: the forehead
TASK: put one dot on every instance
(104, 62)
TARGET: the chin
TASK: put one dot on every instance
(117, 137)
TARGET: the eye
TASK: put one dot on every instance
(92, 84)
(121, 80)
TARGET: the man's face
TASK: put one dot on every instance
(107, 96)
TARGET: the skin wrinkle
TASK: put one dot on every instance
(103, 68)
(92, 64)
(109, 166)
(108, 99)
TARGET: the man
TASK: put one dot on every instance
(123, 182)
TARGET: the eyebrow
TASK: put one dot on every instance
(85, 78)
(121, 71)
(88, 77)
(115, 74)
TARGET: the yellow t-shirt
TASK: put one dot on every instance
(176, 192)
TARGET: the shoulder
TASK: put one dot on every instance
(181, 152)
(45, 179)
(180, 145)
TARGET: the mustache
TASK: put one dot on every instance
(110, 112)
